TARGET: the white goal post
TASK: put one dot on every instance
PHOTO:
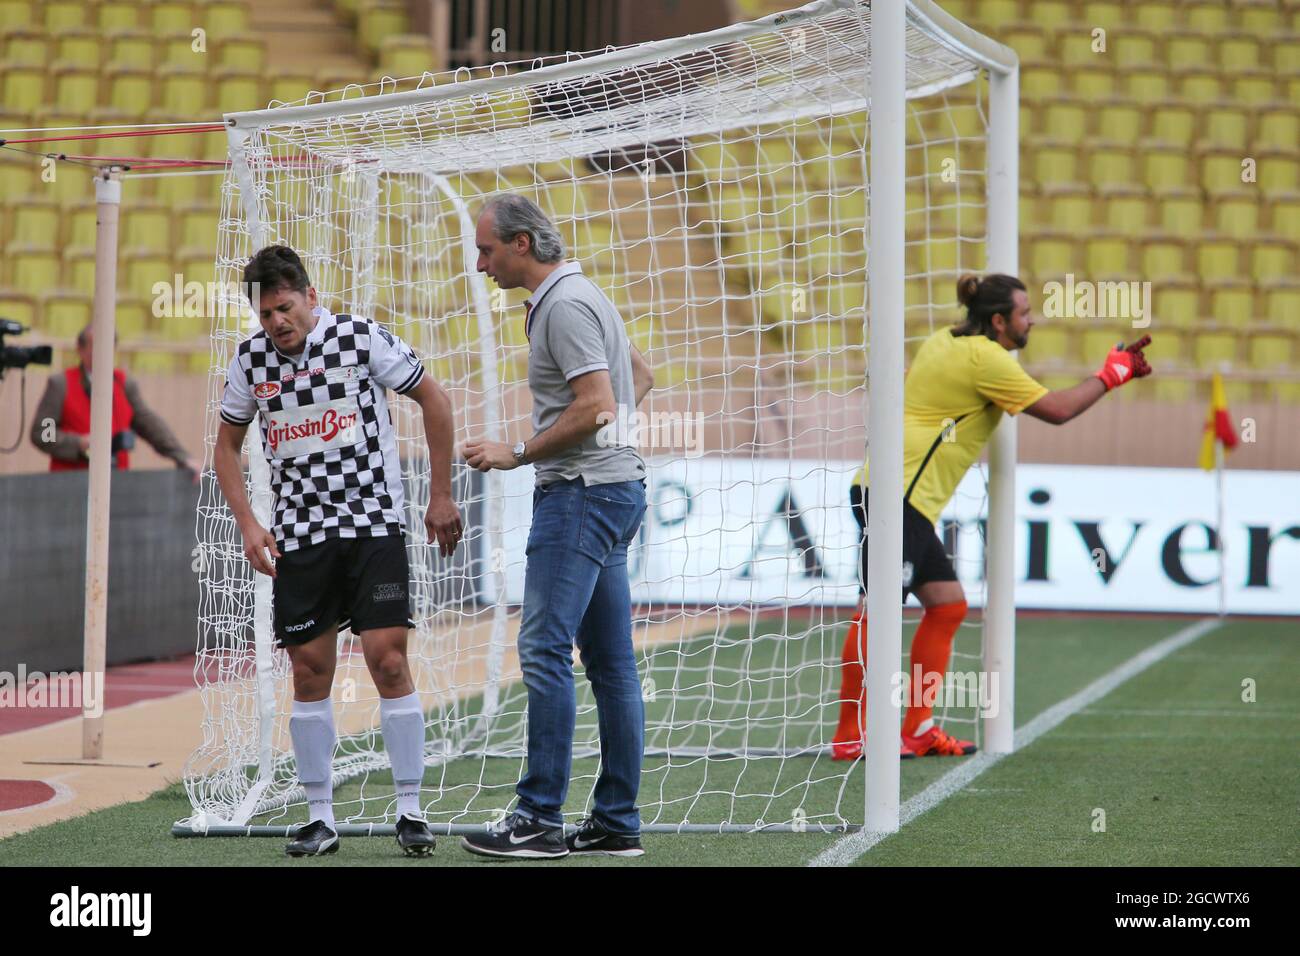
(717, 187)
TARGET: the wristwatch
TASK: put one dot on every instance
(519, 453)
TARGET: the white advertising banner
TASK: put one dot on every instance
(731, 531)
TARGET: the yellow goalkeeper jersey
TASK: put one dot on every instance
(953, 397)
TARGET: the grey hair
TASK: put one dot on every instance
(515, 215)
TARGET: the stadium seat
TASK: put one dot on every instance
(1155, 15)
(289, 87)
(1120, 121)
(1239, 53)
(1221, 171)
(1224, 127)
(242, 52)
(172, 16)
(184, 91)
(1211, 350)
(238, 89)
(33, 270)
(1145, 85)
(1284, 214)
(1107, 256)
(404, 54)
(1133, 49)
(66, 14)
(1237, 214)
(1056, 163)
(1164, 259)
(1177, 304)
(122, 15)
(1255, 88)
(1112, 164)
(19, 306)
(1069, 208)
(1127, 210)
(1164, 167)
(1232, 302)
(1174, 124)
(1217, 259)
(1209, 17)
(1279, 170)
(225, 17)
(1283, 303)
(79, 269)
(76, 88)
(378, 20)
(141, 268)
(1188, 51)
(1270, 350)
(64, 314)
(26, 48)
(1200, 87)
(134, 49)
(16, 15)
(130, 89)
(1051, 256)
(1279, 127)
(1272, 259)
(36, 223)
(24, 87)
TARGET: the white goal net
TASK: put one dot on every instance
(716, 187)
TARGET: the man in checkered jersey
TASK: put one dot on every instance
(319, 383)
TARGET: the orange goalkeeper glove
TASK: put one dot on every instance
(1123, 364)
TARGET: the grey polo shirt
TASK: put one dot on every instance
(574, 329)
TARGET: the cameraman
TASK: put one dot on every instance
(66, 403)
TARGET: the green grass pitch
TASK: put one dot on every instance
(1186, 772)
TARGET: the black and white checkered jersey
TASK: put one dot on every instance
(326, 428)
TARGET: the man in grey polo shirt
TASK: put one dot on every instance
(587, 506)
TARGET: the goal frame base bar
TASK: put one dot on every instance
(284, 831)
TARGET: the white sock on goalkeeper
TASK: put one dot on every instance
(311, 726)
(403, 723)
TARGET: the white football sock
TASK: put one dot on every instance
(403, 724)
(311, 726)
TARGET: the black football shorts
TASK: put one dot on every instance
(363, 583)
(924, 559)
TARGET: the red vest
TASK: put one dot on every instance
(76, 416)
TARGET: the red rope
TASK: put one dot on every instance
(166, 131)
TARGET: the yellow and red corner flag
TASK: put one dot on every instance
(1218, 426)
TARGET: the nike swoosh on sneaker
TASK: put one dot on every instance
(521, 839)
(580, 844)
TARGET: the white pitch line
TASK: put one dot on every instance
(847, 849)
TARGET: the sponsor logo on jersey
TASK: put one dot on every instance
(302, 373)
(266, 389)
(294, 432)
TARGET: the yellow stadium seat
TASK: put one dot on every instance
(1095, 81)
(1165, 167)
(1237, 214)
(1262, 20)
(79, 270)
(1050, 341)
(1051, 256)
(1147, 85)
(1272, 259)
(1232, 303)
(1279, 170)
(1283, 303)
(407, 55)
(1270, 350)
(1177, 304)
(173, 16)
(122, 15)
(1221, 171)
(289, 87)
(1188, 51)
(64, 14)
(33, 270)
(1055, 164)
(1155, 15)
(238, 89)
(1067, 121)
(1069, 208)
(1127, 211)
(1279, 127)
(1217, 259)
(130, 90)
(198, 225)
(15, 305)
(1212, 350)
(1238, 53)
(81, 47)
(1040, 82)
(184, 91)
(141, 268)
(1107, 256)
(226, 17)
(131, 48)
(146, 225)
(1096, 338)
(1255, 88)
(1174, 124)
(79, 227)
(24, 88)
(65, 314)
(1119, 121)
(1133, 48)
(1209, 17)
(1111, 164)
(1164, 259)
(243, 52)
(1049, 13)
(1200, 87)
(1284, 214)
(17, 15)
(36, 223)
(27, 48)
(76, 89)
(379, 19)
(176, 50)
(1224, 127)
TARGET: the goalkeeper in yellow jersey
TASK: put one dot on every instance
(962, 379)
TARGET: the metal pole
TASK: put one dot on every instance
(108, 198)
(1000, 583)
(887, 116)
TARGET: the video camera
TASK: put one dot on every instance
(20, 356)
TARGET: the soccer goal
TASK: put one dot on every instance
(718, 187)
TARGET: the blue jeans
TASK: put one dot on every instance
(576, 589)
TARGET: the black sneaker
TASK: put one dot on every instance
(315, 839)
(413, 837)
(517, 836)
(593, 837)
